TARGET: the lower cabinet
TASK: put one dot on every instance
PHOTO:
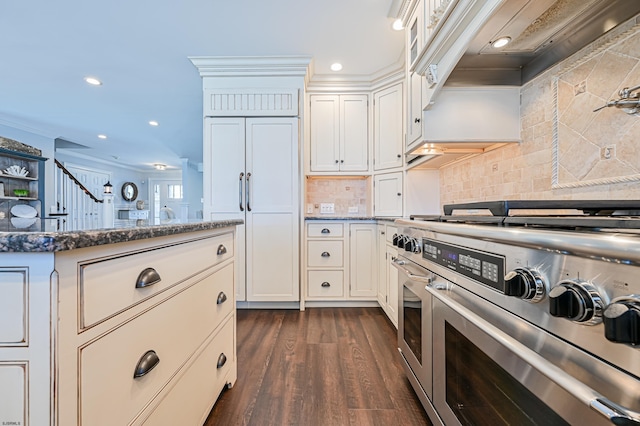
(387, 273)
(141, 332)
(341, 261)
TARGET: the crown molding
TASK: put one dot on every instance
(251, 66)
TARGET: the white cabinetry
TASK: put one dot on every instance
(388, 127)
(388, 275)
(251, 173)
(113, 333)
(388, 195)
(339, 133)
(341, 261)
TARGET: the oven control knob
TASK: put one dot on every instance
(395, 239)
(622, 320)
(412, 245)
(401, 241)
(525, 283)
(576, 300)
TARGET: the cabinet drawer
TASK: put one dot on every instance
(189, 401)
(109, 286)
(325, 253)
(109, 393)
(333, 284)
(13, 306)
(327, 230)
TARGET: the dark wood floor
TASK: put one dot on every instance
(324, 366)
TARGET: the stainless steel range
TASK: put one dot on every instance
(523, 312)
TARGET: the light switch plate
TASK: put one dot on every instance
(327, 208)
(353, 209)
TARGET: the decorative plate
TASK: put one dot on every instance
(24, 211)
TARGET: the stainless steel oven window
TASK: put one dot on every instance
(412, 314)
(480, 392)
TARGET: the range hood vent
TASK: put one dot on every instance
(542, 32)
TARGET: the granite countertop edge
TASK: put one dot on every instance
(25, 242)
(389, 219)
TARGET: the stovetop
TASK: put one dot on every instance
(564, 214)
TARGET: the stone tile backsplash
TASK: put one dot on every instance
(567, 150)
(343, 192)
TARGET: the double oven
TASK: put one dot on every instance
(509, 324)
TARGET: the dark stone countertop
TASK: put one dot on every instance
(354, 218)
(53, 241)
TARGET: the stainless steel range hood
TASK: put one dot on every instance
(543, 33)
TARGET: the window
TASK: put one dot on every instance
(174, 192)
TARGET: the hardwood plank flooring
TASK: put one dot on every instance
(323, 366)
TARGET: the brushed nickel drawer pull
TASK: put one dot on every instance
(222, 360)
(147, 278)
(221, 298)
(222, 249)
(146, 363)
(325, 284)
(325, 231)
(325, 254)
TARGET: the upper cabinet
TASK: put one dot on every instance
(388, 128)
(339, 133)
(452, 25)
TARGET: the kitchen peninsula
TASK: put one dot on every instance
(117, 326)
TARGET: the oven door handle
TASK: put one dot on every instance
(615, 413)
(401, 265)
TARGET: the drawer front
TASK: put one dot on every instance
(325, 284)
(13, 307)
(189, 401)
(326, 230)
(13, 395)
(174, 329)
(389, 233)
(325, 253)
(110, 286)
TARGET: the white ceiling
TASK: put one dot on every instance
(140, 50)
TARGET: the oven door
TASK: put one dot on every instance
(414, 328)
(491, 367)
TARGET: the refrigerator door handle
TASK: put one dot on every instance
(240, 191)
(248, 192)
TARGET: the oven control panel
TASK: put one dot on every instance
(485, 268)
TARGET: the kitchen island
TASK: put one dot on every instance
(116, 326)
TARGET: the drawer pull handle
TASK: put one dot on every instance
(146, 363)
(325, 231)
(221, 298)
(325, 254)
(147, 278)
(325, 284)
(222, 360)
(222, 249)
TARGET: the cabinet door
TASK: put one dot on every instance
(414, 108)
(272, 224)
(388, 195)
(382, 267)
(392, 286)
(362, 255)
(325, 133)
(223, 157)
(387, 133)
(354, 152)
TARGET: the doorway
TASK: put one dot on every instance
(166, 200)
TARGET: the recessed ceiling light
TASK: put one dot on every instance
(153, 123)
(397, 25)
(501, 42)
(160, 166)
(93, 81)
(102, 136)
(336, 67)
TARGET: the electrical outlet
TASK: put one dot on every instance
(309, 208)
(353, 209)
(327, 208)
